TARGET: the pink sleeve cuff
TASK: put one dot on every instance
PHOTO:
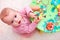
(28, 9)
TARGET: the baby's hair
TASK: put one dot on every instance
(4, 13)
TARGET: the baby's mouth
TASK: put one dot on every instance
(19, 22)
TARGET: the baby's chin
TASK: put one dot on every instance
(15, 25)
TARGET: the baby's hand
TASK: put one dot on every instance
(36, 20)
(32, 15)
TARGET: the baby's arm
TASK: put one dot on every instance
(33, 26)
(30, 10)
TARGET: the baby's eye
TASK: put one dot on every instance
(15, 16)
(12, 21)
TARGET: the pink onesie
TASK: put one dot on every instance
(26, 26)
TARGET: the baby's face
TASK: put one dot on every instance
(13, 18)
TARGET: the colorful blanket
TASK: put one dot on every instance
(49, 14)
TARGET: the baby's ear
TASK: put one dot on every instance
(0, 16)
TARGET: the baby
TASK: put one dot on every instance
(20, 20)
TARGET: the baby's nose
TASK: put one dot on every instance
(16, 20)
